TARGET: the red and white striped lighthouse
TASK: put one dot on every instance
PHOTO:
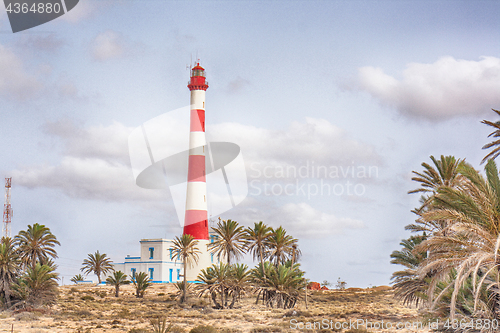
(196, 221)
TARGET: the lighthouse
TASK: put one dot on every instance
(196, 220)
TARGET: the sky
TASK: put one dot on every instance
(366, 90)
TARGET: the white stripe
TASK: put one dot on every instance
(197, 99)
(197, 139)
(196, 196)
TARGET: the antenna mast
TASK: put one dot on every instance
(7, 209)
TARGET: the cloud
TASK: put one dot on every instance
(237, 85)
(108, 143)
(44, 43)
(304, 220)
(108, 45)
(95, 161)
(299, 219)
(444, 89)
(315, 140)
(81, 11)
(15, 82)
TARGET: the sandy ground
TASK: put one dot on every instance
(94, 309)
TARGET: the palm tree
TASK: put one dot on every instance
(77, 278)
(256, 238)
(117, 279)
(215, 280)
(37, 287)
(36, 245)
(239, 281)
(230, 242)
(141, 283)
(470, 246)
(279, 246)
(494, 144)
(185, 249)
(9, 267)
(443, 172)
(407, 284)
(98, 264)
(282, 285)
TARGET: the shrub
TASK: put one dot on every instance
(203, 329)
(265, 329)
(87, 298)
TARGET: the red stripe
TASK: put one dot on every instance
(196, 168)
(197, 120)
(196, 224)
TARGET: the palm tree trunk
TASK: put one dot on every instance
(184, 284)
(306, 296)
(117, 290)
(262, 263)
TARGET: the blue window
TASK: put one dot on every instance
(151, 270)
(133, 273)
(178, 274)
(151, 252)
(170, 253)
(212, 257)
(170, 274)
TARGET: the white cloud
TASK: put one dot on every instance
(315, 140)
(15, 82)
(307, 222)
(108, 45)
(86, 178)
(81, 11)
(299, 219)
(446, 88)
(95, 160)
(108, 143)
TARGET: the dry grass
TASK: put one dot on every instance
(94, 309)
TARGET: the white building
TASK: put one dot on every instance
(157, 260)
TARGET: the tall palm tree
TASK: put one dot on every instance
(443, 172)
(279, 246)
(9, 267)
(494, 144)
(230, 243)
(98, 264)
(117, 279)
(470, 246)
(186, 249)
(36, 245)
(256, 238)
(296, 253)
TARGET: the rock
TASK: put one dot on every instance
(314, 286)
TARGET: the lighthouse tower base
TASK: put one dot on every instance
(204, 261)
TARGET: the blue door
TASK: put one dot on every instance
(170, 274)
